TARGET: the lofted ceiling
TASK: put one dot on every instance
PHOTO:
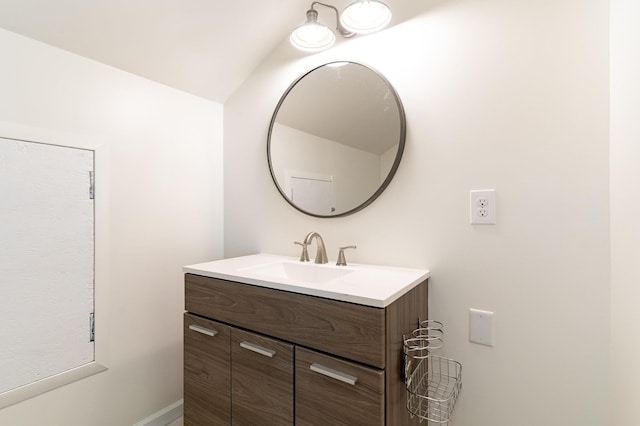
(351, 105)
(204, 47)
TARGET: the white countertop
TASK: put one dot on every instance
(370, 285)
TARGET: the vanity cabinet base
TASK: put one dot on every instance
(263, 365)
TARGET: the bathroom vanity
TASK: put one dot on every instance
(270, 340)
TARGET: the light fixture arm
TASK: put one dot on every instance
(341, 29)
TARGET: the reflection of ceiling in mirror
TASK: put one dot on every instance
(349, 104)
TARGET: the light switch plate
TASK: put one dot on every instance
(481, 327)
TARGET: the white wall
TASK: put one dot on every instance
(625, 205)
(499, 94)
(164, 211)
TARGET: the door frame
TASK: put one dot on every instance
(101, 298)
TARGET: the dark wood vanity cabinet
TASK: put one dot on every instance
(334, 392)
(232, 376)
(261, 380)
(282, 358)
(207, 376)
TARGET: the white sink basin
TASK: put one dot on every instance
(370, 285)
(300, 271)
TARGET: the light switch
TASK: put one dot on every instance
(481, 327)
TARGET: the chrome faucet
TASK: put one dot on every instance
(342, 261)
(321, 252)
(304, 256)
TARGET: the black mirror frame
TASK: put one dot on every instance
(392, 171)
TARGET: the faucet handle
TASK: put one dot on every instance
(304, 256)
(342, 261)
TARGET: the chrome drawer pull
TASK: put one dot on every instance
(203, 330)
(258, 349)
(334, 374)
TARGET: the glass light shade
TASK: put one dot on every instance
(366, 16)
(312, 37)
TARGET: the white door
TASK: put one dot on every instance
(46, 261)
(312, 195)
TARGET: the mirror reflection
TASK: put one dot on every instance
(336, 139)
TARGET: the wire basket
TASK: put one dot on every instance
(433, 382)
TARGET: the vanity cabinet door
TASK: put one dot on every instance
(262, 380)
(207, 375)
(335, 392)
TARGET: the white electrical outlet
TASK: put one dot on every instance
(482, 207)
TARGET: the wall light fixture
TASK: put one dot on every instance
(360, 17)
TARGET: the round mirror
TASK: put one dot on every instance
(336, 139)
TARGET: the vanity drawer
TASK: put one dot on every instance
(344, 329)
(207, 377)
(333, 392)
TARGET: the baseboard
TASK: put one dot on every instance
(165, 416)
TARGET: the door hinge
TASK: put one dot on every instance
(92, 323)
(91, 186)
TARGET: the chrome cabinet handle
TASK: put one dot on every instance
(258, 349)
(334, 374)
(203, 330)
